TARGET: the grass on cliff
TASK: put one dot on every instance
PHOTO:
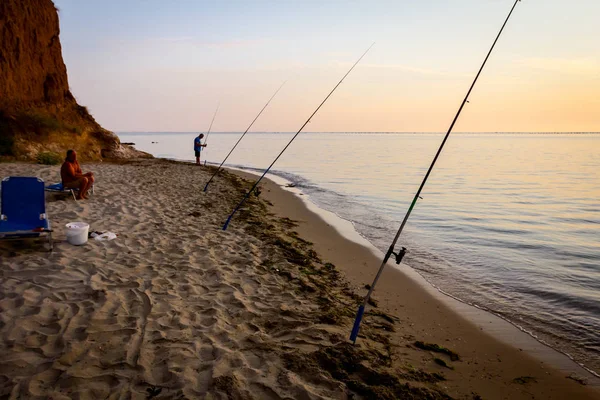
(41, 123)
(49, 158)
(27, 133)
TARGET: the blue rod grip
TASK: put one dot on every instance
(227, 222)
(357, 321)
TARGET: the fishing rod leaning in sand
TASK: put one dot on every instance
(291, 140)
(400, 254)
(241, 137)
(209, 128)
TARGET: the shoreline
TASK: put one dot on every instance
(175, 304)
(494, 326)
(500, 253)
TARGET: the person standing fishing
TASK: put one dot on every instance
(198, 147)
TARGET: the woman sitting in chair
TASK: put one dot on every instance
(73, 178)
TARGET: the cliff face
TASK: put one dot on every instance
(37, 110)
(31, 63)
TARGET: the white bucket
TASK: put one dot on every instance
(77, 233)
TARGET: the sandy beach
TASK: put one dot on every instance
(177, 308)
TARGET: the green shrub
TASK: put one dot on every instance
(40, 121)
(48, 158)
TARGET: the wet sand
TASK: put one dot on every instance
(177, 308)
(494, 353)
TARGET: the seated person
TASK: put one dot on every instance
(73, 178)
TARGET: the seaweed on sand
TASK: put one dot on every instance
(522, 380)
(368, 372)
(437, 349)
(418, 375)
(352, 366)
(443, 363)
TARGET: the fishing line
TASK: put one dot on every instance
(241, 137)
(292, 139)
(400, 254)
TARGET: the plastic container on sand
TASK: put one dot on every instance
(77, 233)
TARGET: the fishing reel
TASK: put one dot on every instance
(399, 255)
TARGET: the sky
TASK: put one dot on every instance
(164, 66)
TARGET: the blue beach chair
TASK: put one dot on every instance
(59, 188)
(23, 209)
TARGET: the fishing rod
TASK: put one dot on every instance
(292, 139)
(400, 254)
(241, 137)
(209, 128)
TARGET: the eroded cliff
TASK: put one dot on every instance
(38, 113)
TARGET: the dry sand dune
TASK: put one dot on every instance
(177, 308)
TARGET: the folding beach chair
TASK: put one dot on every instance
(23, 209)
(59, 188)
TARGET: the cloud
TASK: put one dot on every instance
(186, 41)
(225, 44)
(404, 68)
(563, 65)
(181, 39)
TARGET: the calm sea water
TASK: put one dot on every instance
(508, 222)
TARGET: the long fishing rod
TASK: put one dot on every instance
(292, 139)
(400, 254)
(209, 128)
(241, 137)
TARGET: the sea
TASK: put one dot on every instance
(507, 222)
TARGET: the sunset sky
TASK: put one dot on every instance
(164, 65)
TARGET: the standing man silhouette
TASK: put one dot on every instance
(198, 147)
